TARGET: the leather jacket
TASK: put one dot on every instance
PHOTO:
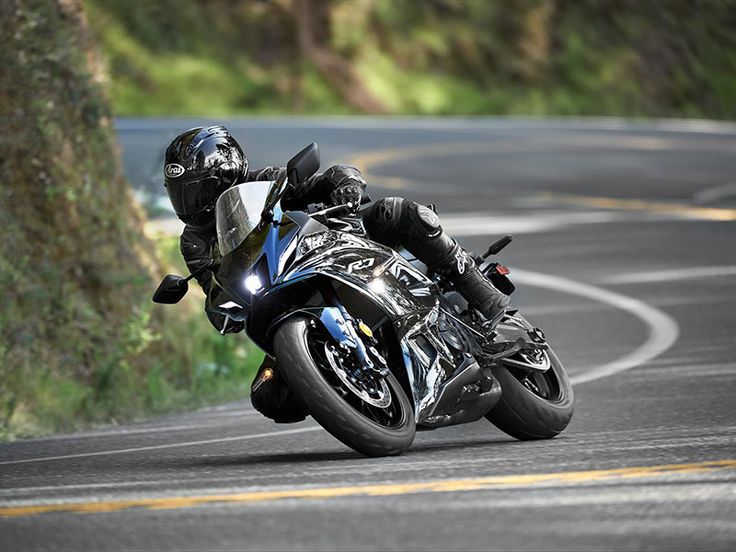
(196, 242)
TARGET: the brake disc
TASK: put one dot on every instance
(379, 395)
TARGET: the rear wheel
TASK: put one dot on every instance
(533, 404)
(368, 412)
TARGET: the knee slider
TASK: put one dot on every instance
(423, 220)
(383, 218)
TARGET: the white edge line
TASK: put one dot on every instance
(166, 446)
(714, 193)
(663, 329)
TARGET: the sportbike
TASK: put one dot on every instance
(372, 344)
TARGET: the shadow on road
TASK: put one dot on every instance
(334, 456)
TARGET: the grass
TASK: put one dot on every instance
(175, 57)
(203, 368)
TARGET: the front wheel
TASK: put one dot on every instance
(369, 413)
(533, 404)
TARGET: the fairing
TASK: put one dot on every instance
(403, 293)
(298, 250)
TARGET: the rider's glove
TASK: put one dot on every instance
(348, 191)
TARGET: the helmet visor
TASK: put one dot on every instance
(189, 198)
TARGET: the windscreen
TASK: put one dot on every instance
(238, 212)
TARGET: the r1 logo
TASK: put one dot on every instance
(361, 264)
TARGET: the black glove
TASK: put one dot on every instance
(348, 191)
(218, 321)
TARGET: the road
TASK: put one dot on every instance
(624, 252)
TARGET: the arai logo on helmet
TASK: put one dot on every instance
(173, 170)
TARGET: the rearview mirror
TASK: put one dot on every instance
(304, 164)
(171, 290)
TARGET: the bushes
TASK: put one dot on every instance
(80, 340)
(532, 57)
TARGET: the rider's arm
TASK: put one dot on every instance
(266, 173)
(316, 189)
(195, 246)
(321, 188)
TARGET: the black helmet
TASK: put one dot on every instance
(200, 164)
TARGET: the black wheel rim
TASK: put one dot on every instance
(389, 417)
(545, 385)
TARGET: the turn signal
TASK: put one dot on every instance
(365, 329)
(501, 269)
(267, 374)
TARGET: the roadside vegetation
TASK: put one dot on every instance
(80, 341)
(459, 57)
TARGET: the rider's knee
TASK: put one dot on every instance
(383, 219)
(397, 221)
(421, 221)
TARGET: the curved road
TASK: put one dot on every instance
(624, 252)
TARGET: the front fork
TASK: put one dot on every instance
(351, 334)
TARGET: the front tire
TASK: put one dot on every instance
(334, 407)
(533, 405)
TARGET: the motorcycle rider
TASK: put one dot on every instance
(203, 162)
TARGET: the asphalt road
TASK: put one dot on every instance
(624, 252)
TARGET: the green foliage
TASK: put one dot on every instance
(168, 358)
(80, 341)
(535, 57)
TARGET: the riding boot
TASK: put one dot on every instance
(395, 221)
(443, 255)
(460, 269)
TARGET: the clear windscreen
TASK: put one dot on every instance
(238, 212)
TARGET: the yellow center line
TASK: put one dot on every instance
(689, 211)
(387, 489)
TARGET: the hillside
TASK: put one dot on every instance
(533, 57)
(80, 341)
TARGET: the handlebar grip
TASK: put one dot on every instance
(498, 245)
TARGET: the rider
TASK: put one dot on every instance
(201, 163)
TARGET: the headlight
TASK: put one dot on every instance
(253, 284)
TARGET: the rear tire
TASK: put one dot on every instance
(326, 405)
(523, 413)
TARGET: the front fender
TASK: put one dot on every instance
(330, 317)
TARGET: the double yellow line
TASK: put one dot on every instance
(389, 489)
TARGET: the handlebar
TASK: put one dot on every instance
(333, 210)
(322, 210)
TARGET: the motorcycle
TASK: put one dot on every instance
(372, 343)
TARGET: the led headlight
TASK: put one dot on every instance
(253, 283)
